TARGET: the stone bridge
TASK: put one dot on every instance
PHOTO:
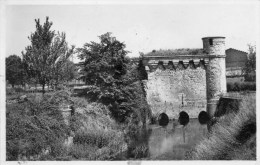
(191, 82)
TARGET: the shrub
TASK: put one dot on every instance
(100, 144)
(232, 137)
(97, 136)
(10, 91)
(32, 127)
(241, 86)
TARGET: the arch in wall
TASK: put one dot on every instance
(211, 60)
(163, 119)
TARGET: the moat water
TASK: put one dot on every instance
(165, 143)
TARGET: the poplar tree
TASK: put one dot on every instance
(46, 55)
(250, 65)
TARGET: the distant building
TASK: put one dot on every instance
(235, 62)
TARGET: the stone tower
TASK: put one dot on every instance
(214, 48)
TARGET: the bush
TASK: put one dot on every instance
(18, 90)
(97, 136)
(232, 137)
(32, 127)
(97, 144)
(241, 86)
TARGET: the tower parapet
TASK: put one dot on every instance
(214, 45)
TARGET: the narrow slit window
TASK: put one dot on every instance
(210, 42)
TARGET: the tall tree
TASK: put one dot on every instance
(69, 71)
(14, 70)
(250, 66)
(103, 67)
(46, 54)
(113, 80)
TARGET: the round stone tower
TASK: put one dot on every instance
(214, 47)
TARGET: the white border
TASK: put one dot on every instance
(4, 3)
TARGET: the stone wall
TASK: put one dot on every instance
(217, 45)
(173, 91)
(175, 83)
(216, 78)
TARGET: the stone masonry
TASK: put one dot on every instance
(186, 82)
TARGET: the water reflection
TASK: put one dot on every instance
(166, 143)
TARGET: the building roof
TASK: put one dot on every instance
(213, 37)
(173, 52)
(230, 49)
(235, 58)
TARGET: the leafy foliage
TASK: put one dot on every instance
(47, 54)
(33, 127)
(103, 66)
(112, 79)
(233, 137)
(97, 137)
(68, 71)
(14, 70)
(241, 86)
(250, 66)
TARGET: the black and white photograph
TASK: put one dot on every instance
(129, 82)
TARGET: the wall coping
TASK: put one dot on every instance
(184, 56)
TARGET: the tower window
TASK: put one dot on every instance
(210, 42)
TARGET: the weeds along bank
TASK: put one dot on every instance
(233, 137)
(96, 135)
(36, 129)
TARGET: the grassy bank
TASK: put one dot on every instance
(36, 129)
(233, 137)
(97, 135)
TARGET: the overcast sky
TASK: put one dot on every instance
(142, 27)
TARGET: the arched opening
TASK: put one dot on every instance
(184, 118)
(163, 119)
(203, 117)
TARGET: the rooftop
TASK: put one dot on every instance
(230, 49)
(174, 52)
(213, 37)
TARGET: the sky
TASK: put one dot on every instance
(142, 27)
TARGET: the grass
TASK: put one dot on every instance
(232, 137)
(97, 136)
(170, 52)
(34, 126)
